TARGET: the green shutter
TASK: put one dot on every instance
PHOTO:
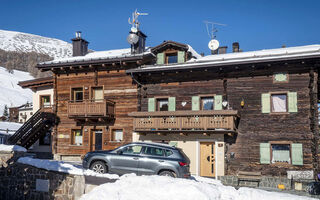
(160, 58)
(265, 103)
(151, 105)
(218, 102)
(297, 154)
(292, 102)
(172, 104)
(264, 153)
(181, 56)
(195, 103)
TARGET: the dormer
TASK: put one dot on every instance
(170, 52)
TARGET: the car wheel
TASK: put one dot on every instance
(167, 173)
(99, 167)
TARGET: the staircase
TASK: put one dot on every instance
(39, 124)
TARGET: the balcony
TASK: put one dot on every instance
(91, 109)
(185, 121)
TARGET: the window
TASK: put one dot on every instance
(97, 94)
(207, 103)
(135, 149)
(45, 101)
(77, 94)
(117, 135)
(162, 105)
(45, 139)
(1, 140)
(171, 58)
(280, 153)
(153, 151)
(279, 102)
(76, 138)
(168, 153)
(281, 78)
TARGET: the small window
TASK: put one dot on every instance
(280, 153)
(77, 94)
(279, 103)
(135, 149)
(207, 103)
(76, 138)
(153, 151)
(45, 101)
(168, 153)
(117, 135)
(162, 104)
(171, 58)
(280, 78)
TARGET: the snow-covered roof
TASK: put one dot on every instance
(289, 53)
(97, 55)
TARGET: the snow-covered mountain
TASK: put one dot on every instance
(11, 93)
(25, 42)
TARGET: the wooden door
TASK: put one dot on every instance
(97, 94)
(207, 159)
(96, 140)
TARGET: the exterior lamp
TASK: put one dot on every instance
(242, 103)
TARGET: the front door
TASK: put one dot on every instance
(207, 159)
(96, 140)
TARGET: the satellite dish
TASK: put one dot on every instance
(134, 29)
(132, 38)
(213, 44)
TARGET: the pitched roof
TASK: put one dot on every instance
(47, 81)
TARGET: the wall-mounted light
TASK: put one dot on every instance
(242, 103)
(85, 88)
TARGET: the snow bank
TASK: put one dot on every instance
(163, 188)
(4, 147)
(60, 166)
(11, 126)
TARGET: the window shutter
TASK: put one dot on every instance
(172, 103)
(292, 102)
(160, 58)
(264, 153)
(265, 103)
(195, 103)
(297, 154)
(218, 102)
(181, 56)
(151, 105)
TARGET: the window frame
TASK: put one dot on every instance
(157, 108)
(72, 139)
(206, 96)
(112, 138)
(72, 94)
(274, 77)
(91, 94)
(281, 143)
(287, 102)
(41, 102)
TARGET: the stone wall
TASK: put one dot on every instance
(20, 181)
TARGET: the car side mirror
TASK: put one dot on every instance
(120, 152)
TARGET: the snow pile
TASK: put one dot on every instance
(11, 126)
(10, 148)
(11, 93)
(135, 187)
(24, 42)
(64, 167)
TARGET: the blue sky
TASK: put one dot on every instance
(255, 24)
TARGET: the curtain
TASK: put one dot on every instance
(279, 103)
(280, 156)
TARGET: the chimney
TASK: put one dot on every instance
(222, 50)
(139, 47)
(235, 47)
(80, 46)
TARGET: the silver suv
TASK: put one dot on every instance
(140, 158)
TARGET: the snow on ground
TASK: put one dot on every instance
(4, 147)
(11, 126)
(134, 187)
(11, 93)
(60, 166)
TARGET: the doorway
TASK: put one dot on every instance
(207, 159)
(96, 140)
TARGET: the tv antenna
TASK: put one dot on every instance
(212, 30)
(134, 21)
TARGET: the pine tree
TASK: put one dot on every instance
(5, 112)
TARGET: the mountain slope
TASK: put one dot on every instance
(11, 93)
(25, 42)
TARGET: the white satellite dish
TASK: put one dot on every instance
(132, 38)
(213, 44)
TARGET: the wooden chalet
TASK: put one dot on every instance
(249, 111)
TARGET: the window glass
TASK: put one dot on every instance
(45, 101)
(168, 153)
(207, 103)
(163, 104)
(77, 94)
(136, 149)
(280, 153)
(172, 58)
(153, 151)
(279, 102)
(76, 137)
(117, 135)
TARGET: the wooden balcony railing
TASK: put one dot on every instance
(91, 108)
(185, 120)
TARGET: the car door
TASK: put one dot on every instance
(150, 160)
(127, 161)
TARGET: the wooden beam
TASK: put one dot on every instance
(183, 134)
(206, 134)
(142, 134)
(113, 64)
(103, 65)
(161, 134)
